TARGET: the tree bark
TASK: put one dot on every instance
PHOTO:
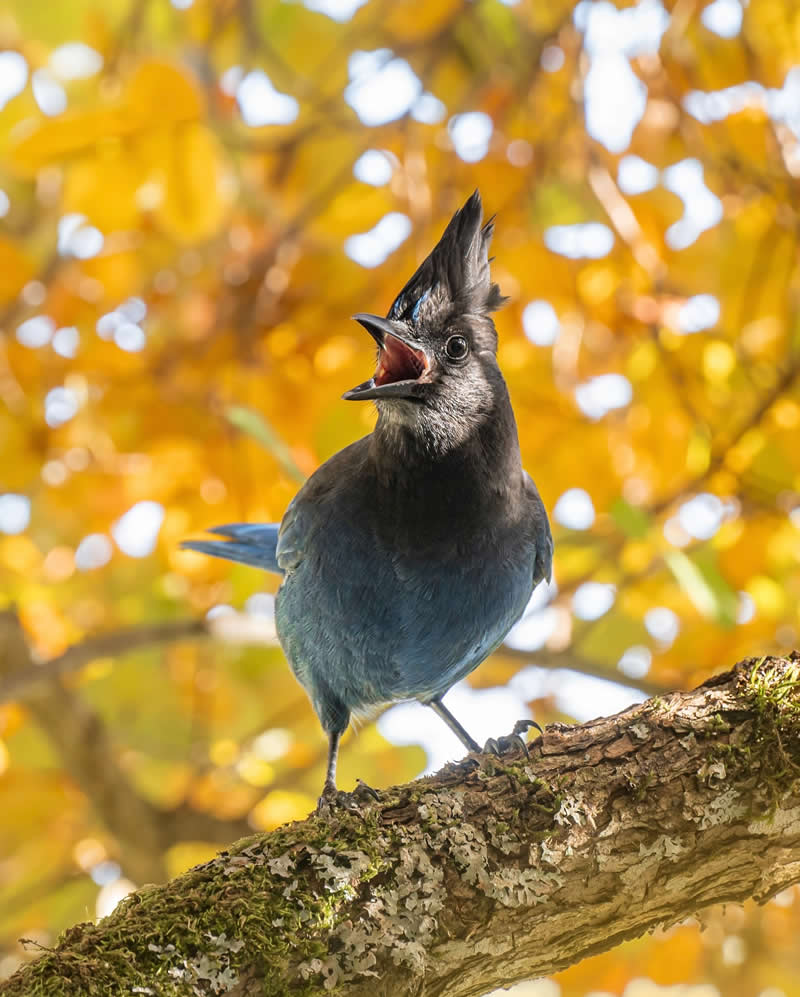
(491, 872)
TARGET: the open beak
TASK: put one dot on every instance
(401, 363)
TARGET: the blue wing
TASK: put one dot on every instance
(540, 528)
(250, 543)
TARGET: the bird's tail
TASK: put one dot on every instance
(250, 543)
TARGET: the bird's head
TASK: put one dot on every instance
(437, 346)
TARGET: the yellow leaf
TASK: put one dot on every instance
(157, 94)
(162, 92)
(120, 274)
(16, 270)
(53, 140)
(116, 173)
(410, 21)
(719, 361)
(192, 207)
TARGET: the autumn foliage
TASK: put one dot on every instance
(196, 198)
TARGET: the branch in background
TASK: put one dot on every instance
(89, 754)
(16, 682)
(242, 628)
(492, 872)
(570, 659)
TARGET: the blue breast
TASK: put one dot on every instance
(375, 629)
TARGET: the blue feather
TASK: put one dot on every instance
(248, 543)
(418, 305)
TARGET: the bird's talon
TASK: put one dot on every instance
(513, 742)
(364, 790)
(519, 741)
(523, 726)
(492, 747)
(337, 799)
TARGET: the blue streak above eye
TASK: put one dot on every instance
(418, 305)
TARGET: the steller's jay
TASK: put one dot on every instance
(408, 556)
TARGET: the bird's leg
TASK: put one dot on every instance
(329, 789)
(439, 708)
(331, 796)
(496, 746)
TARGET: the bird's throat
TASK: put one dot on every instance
(417, 443)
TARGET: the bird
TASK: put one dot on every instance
(407, 556)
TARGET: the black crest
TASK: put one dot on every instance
(457, 270)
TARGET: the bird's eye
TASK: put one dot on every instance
(456, 348)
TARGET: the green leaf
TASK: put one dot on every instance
(254, 424)
(560, 202)
(701, 580)
(632, 521)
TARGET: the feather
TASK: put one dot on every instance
(457, 267)
(248, 543)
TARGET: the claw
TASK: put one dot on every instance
(364, 789)
(513, 742)
(337, 799)
(492, 747)
(523, 726)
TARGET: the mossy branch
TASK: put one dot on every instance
(488, 873)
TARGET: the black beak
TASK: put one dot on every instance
(376, 326)
(401, 363)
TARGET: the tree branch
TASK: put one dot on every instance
(88, 751)
(17, 681)
(490, 872)
(571, 660)
(238, 627)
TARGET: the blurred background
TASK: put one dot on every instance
(195, 197)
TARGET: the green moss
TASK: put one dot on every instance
(771, 686)
(771, 689)
(718, 725)
(242, 910)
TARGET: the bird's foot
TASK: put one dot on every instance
(337, 799)
(511, 743)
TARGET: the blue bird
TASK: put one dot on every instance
(409, 555)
